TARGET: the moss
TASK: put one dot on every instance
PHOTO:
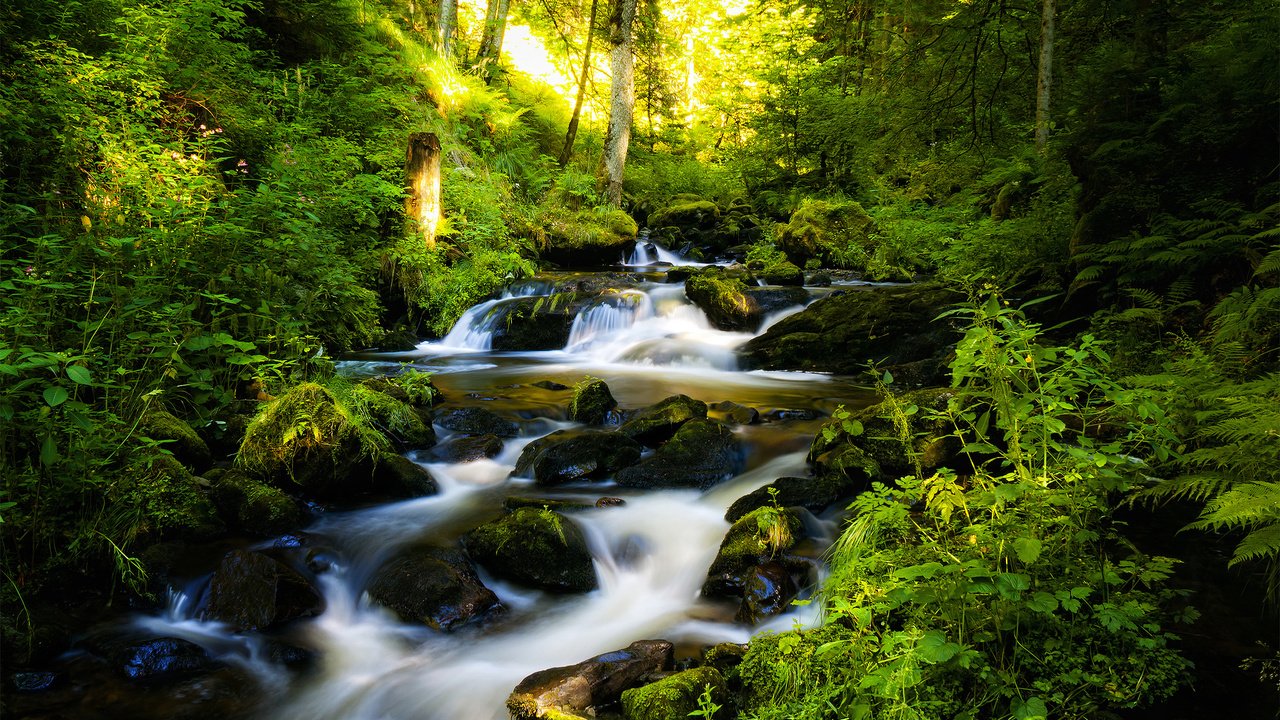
(687, 211)
(756, 536)
(394, 417)
(538, 547)
(657, 423)
(596, 227)
(178, 438)
(156, 497)
(592, 402)
(838, 233)
(782, 273)
(673, 697)
(254, 506)
(723, 299)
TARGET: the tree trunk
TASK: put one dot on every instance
(422, 169)
(448, 22)
(1044, 80)
(571, 134)
(623, 98)
(495, 28)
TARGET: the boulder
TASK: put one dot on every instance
(434, 586)
(730, 304)
(161, 660)
(754, 539)
(573, 691)
(254, 507)
(468, 448)
(393, 414)
(700, 454)
(836, 233)
(592, 403)
(531, 323)
(562, 457)
(735, 414)
(588, 237)
(656, 424)
(477, 421)
(674, 697)
(396, 476)
(813, 494)
(767, 590)
(177, 437)
(173, 503)
(250, 591)
(782, 273)
(893, 327)
(541, 548)
(688, 215)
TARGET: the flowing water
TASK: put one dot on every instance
(651, 554)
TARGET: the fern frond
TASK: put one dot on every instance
(1261, 544)
(1198, 487)
(1244, 506)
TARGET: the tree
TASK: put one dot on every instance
(495, 27)
(622, 99)
(1044, 79)
(448, 22)
(571, 134)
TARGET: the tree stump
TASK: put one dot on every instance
(422, 168)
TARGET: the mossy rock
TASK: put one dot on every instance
(754, 538)
(396, 476)
(687, 213)
(783, 273)
(837, 233)
(172, 503)
(540, 548)
(878, 453)
(434, 586)
(468, 448)
(587, 237)
(533, 324)
(734, 413)
(177, 437)
(730, 304)
(250, 591)
(477, 421)
(814, 494)
(654, 425)
(573, 691)
(563, 457)
(675, 696)
(699, 455)
(592, 403)
(392, 413)
(253, 506)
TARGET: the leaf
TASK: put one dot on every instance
(1027, 549)
(934, 648)
(1043, 602)
(55, 395)
(1032, 708)
(79, 374)
(887, 378)
(913, 572)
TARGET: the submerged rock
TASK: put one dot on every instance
(250, 591)
(655, 424)
(434, 586)
(477, 421)
(562, 457)
(162, 660)
(700, 454)
(675, 696)
(574, 690)
(592, 402)
(541, 548)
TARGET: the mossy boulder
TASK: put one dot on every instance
(434, 586)
(177, 437)
(253, 506)
(699, 455)
(541, 548)
(654, 425)
(250, 591)
(734, 413)
(592, 236)
(392, 414)
(755, 538)
(781, 273)
(172, 503)
(563, 457)
(894, 327)
(675, 696)
(592, 403)
(836, 233)
(730, 304)
(881, 452)
(477, 421)
(533, 323)
(468, 448)
(687, 212)
(396, 476)
(573, 690)
(814, 494)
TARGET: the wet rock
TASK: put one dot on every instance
(563, 457)
(571, 691)
(813, 494)
(468, 448)
(586, 237)
(819, 279)
(396, 476)
(177, 437)
(515, 502)
(767, 591)
(434, 586)
(788, 414)
(675, 696)
(735, 414)
(477, 421)
(162, 660)
(753, 539)
(610, 502)
(894, 327)
(532, 324)
(783, 273)
(398, 420)
(540, 548)
(550, 385)
(592, 402)
(34, 681)
(399, 339)
(878, 453)
(254, 507)
(730, 304)
(699, 455)
(250, 591)
(656, 424)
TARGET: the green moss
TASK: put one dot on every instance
(837, 233)
(723, 299)
(393, 417)
(254, 506)
(177, 436)
(673, 697)
(592, 402)
(758, 535)
(156, 497)
(596, 227)
(537, 547)
(686, 212)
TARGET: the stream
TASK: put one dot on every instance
(650, 553)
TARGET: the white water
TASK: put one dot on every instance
(648, 253)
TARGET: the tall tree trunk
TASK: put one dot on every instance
(448, 22)
(495, 28)
(422, 170)
(571, 134)
(1044, 80)
(623, 98)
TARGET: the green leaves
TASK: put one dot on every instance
(1027, 550)
(54, 395)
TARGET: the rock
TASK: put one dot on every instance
(396, 476)
(893, 327)
(731, 305)
(531, 323)
(591, 236)
(767, 591)
(813, 494)
(791, 414)
(398, 339)
(675, 696)
(540, 548)
(177, 437)
(735, 414)
(434, 586)
(562, 457)
(255, 507)
(477, 421)
(250, 591)
(753, 539)
(468, 448)
(783, 273)
(396, 418)
(656, 424)
(836, 233)
(571, 690)
(515, 502)
(34, 681)
(592, 402)
(173, 503)
(819, 279)
(162, 660)
(699, 455)
(610, 502)
(689, 215)
(550, 385)
(878, 453)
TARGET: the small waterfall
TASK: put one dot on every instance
(609, 316)
(474, 330)
(648, 253)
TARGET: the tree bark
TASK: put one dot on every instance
(1044, 80)
(448, 22)
(623, 98)
(495, 28)
(571, 134)
(422, 170)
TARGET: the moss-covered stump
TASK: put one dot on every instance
(396, 476)
(894, 327)
(254, 507)
(883, 451)
(250, 591)
(540, 548)
(594, 236)
(836, 233)
(434, 586)
(468, 448)
(700, 454)
(755, 538)
(563, 457)
(675, 696)
(592, 403)
(177, 437)
(569, 691)
(654, 425)
(814, 494)
(477, 421)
